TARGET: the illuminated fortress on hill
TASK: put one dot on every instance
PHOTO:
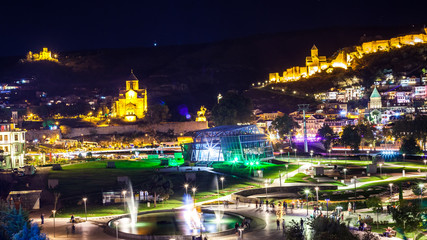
(316, 64)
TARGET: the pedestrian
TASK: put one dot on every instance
(256, 204)
(236, 226)
(72, 218)
(42, 218)
(73, 229)
(278, 224)
(302, 223)
(283, 224)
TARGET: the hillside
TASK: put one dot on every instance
(189, 74)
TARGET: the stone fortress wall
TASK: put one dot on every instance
(343, 59)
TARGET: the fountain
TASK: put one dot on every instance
(218, 212)
(132, 205)
(188, 221)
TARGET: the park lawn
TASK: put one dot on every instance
(299, 177)
(338, 162)
(92, 178)
(373, 178)
(95, 210)
(385, 183)
(381, 229)
(270, 170)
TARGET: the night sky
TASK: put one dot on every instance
(74, 25)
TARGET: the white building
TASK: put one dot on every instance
(12, 146)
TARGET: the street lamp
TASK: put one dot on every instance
(404, 164)
(281, 151)
(295, 150)
(53, 211)
(266, 187)
(222, 182)
(194, 194)
(327, 201)
(391, 190)
(425, 161)
(124, 200)
(330, 159)
(317, 195)
(381, 170)
(345, 174)
(84, 201)
(307, 191)
(421, 185)
(116, 224)
(311, 156)
(186, 187)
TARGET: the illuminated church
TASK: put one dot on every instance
(132, 102)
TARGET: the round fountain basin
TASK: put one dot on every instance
(171, 223)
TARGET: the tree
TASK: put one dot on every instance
(407, 217)
(351, 137)
(11, 221)
(285, 126)
(375, 204)
(160, 187)
(157, 113)
(32, 233)
(366, 132)
(416, 190)
(327, 135)
(328, 228)
(233, 108)
(410, 146)
(294, 231)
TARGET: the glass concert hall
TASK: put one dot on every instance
(244, 143)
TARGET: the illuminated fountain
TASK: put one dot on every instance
(219, 212)
(189, 221)
(132, 205)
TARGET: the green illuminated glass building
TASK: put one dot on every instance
(242, 143)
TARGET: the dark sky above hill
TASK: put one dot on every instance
(73, 25)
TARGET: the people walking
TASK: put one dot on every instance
(42, 218)
(278, 224)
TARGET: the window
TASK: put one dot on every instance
(6, 137)
(1, 137)
(6, 149)
(16, 137)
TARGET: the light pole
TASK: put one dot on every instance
(281, 151)
(327, 201)
(266, 187)
(381, 170)
(345, 174)
(425, 161)
(330, 159)
(194, 194)
(53, 211)
(421, 185)
(287, 166)
(317, 195)
(280, 178)
(306, 194)
(124, 200)
(295, 150)
(84, 201)
(186, 188)
(391, 190)
(311, 157)
(116, 224)
(222, 182)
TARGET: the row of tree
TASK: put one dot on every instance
(15, 225)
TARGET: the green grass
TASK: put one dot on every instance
(90, 179)
(298, 178)
(385, 183)
(381, 230)
(373, 178)
(270, 170)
